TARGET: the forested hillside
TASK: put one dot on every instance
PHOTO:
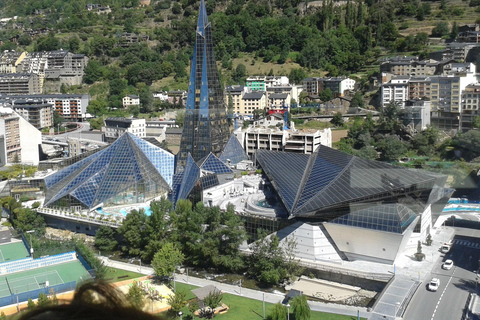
(251, 37)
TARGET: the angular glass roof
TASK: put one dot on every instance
(233, 151)
(128, 162)
(388, 217)
(213, 164)
(329, 178)
(186, 180)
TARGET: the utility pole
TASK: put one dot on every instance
(264, 305)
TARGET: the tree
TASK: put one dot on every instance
(180, 118)
(135, 296)
(105, 239)
(240, 72)
(476, 121)
(177, 301)
(167, 259)
(297, 75)
(326, 95)
(391, 147)
(43, 300)
(74, 44)
(133, 231)
(357, 100)
(93, 72)
(212, 301)
(270, 263)
(300, 308)
(440, 30)
(337, 120)
(30, 305)
(279, 312)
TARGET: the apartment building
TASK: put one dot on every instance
(338, 85)
(261, 83)
(277, 101)
(235, 93)
(409, 67)
(307, 141)
(9, 61)
(396, 90)
(115, 127)
(36, 112)
(131, 100)
(297, 141)
(446, 91)
(19, 140)
(20, 83)
(470, 104)
(256, 100)
(416, 114)
(418, 88)
(71, 107)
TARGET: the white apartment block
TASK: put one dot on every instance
(395, 91)
(338, 85)
(115, 127)
(19, 140)
(131, 100)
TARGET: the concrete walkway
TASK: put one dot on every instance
(236, 290)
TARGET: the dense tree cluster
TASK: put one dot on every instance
(199, 237)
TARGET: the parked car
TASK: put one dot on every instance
(434, 284)
(448, 264)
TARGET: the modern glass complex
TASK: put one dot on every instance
(130, 170)
(233, 152)
(330, 183)
(199, 175)
(391, 217)
(205, 127)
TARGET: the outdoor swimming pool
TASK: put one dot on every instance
(124, 212)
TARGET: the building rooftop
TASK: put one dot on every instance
(254, 95)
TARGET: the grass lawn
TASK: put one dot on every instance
(113, 274)
(244, 308)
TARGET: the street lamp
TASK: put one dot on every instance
(288, 311)
(31, 245)
(180, 314)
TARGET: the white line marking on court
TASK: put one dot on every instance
(3, 258)
(59, 276)
(36, 281)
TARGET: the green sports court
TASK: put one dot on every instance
(13, 251)
(15, 283)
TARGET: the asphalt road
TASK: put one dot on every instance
(449, 300)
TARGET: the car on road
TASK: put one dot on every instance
(445, 248)
(434, 284)
(448, 264)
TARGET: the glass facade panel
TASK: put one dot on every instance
(389, 217)
(213, 164)
(330, 183)
(206, 128)
(233, 151)
(128, 171)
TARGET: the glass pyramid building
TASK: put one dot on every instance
(233, 152)
(202, 174)
(205, 127)
(329, 183)
(130, 170)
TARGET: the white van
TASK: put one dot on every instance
(445, 248)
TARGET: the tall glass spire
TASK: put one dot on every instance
(205, 128)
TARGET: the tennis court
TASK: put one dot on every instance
(13, 251)
(37, 278)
